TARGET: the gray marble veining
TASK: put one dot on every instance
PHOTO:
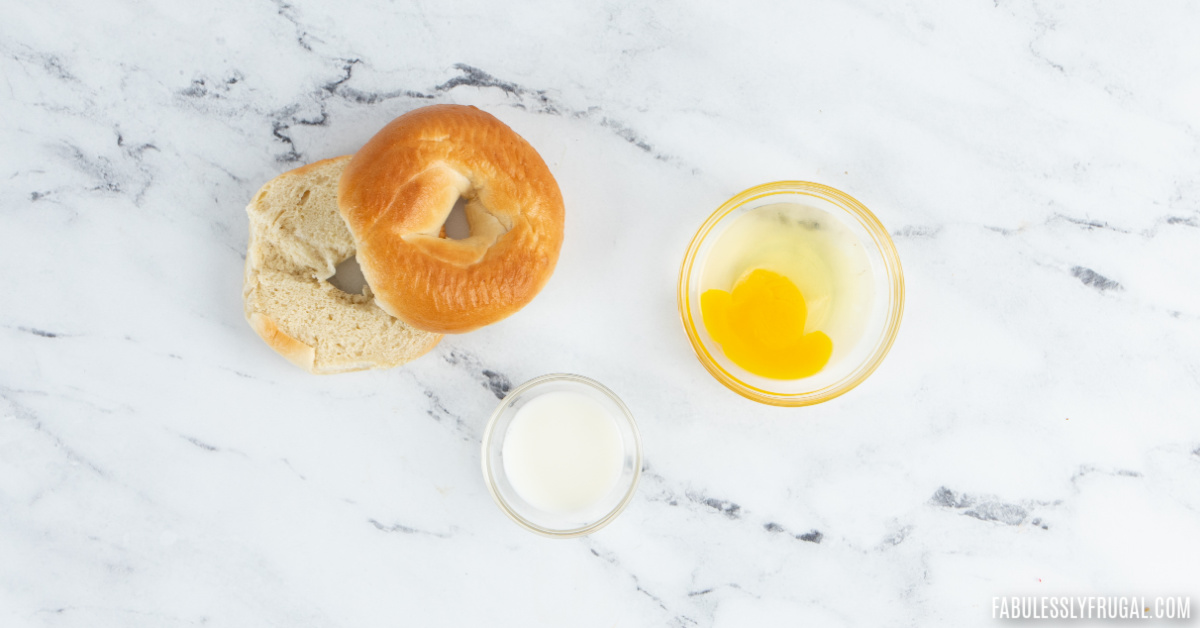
(1034, 430)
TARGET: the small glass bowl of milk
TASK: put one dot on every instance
(562, 455)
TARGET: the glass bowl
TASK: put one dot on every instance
(556, 524)
(850, 365)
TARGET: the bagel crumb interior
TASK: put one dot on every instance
(297, 242)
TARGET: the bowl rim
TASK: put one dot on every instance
(883, 243)
(490, 480)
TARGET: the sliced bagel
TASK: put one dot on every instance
(297, 240)
(397, 192)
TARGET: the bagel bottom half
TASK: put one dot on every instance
(297, 240)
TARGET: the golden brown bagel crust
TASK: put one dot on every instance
(397, 191)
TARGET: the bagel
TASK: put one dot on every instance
(297, 240)
(397, 191)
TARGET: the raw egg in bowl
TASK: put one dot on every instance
(791, 293)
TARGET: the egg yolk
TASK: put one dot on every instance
(760, 326)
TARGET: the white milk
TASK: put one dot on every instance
(562, 452)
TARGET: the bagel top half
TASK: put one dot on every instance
(397, 191)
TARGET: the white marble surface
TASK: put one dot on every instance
(1034, 430)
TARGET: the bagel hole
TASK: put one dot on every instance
(456, 226)
(349, 277)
